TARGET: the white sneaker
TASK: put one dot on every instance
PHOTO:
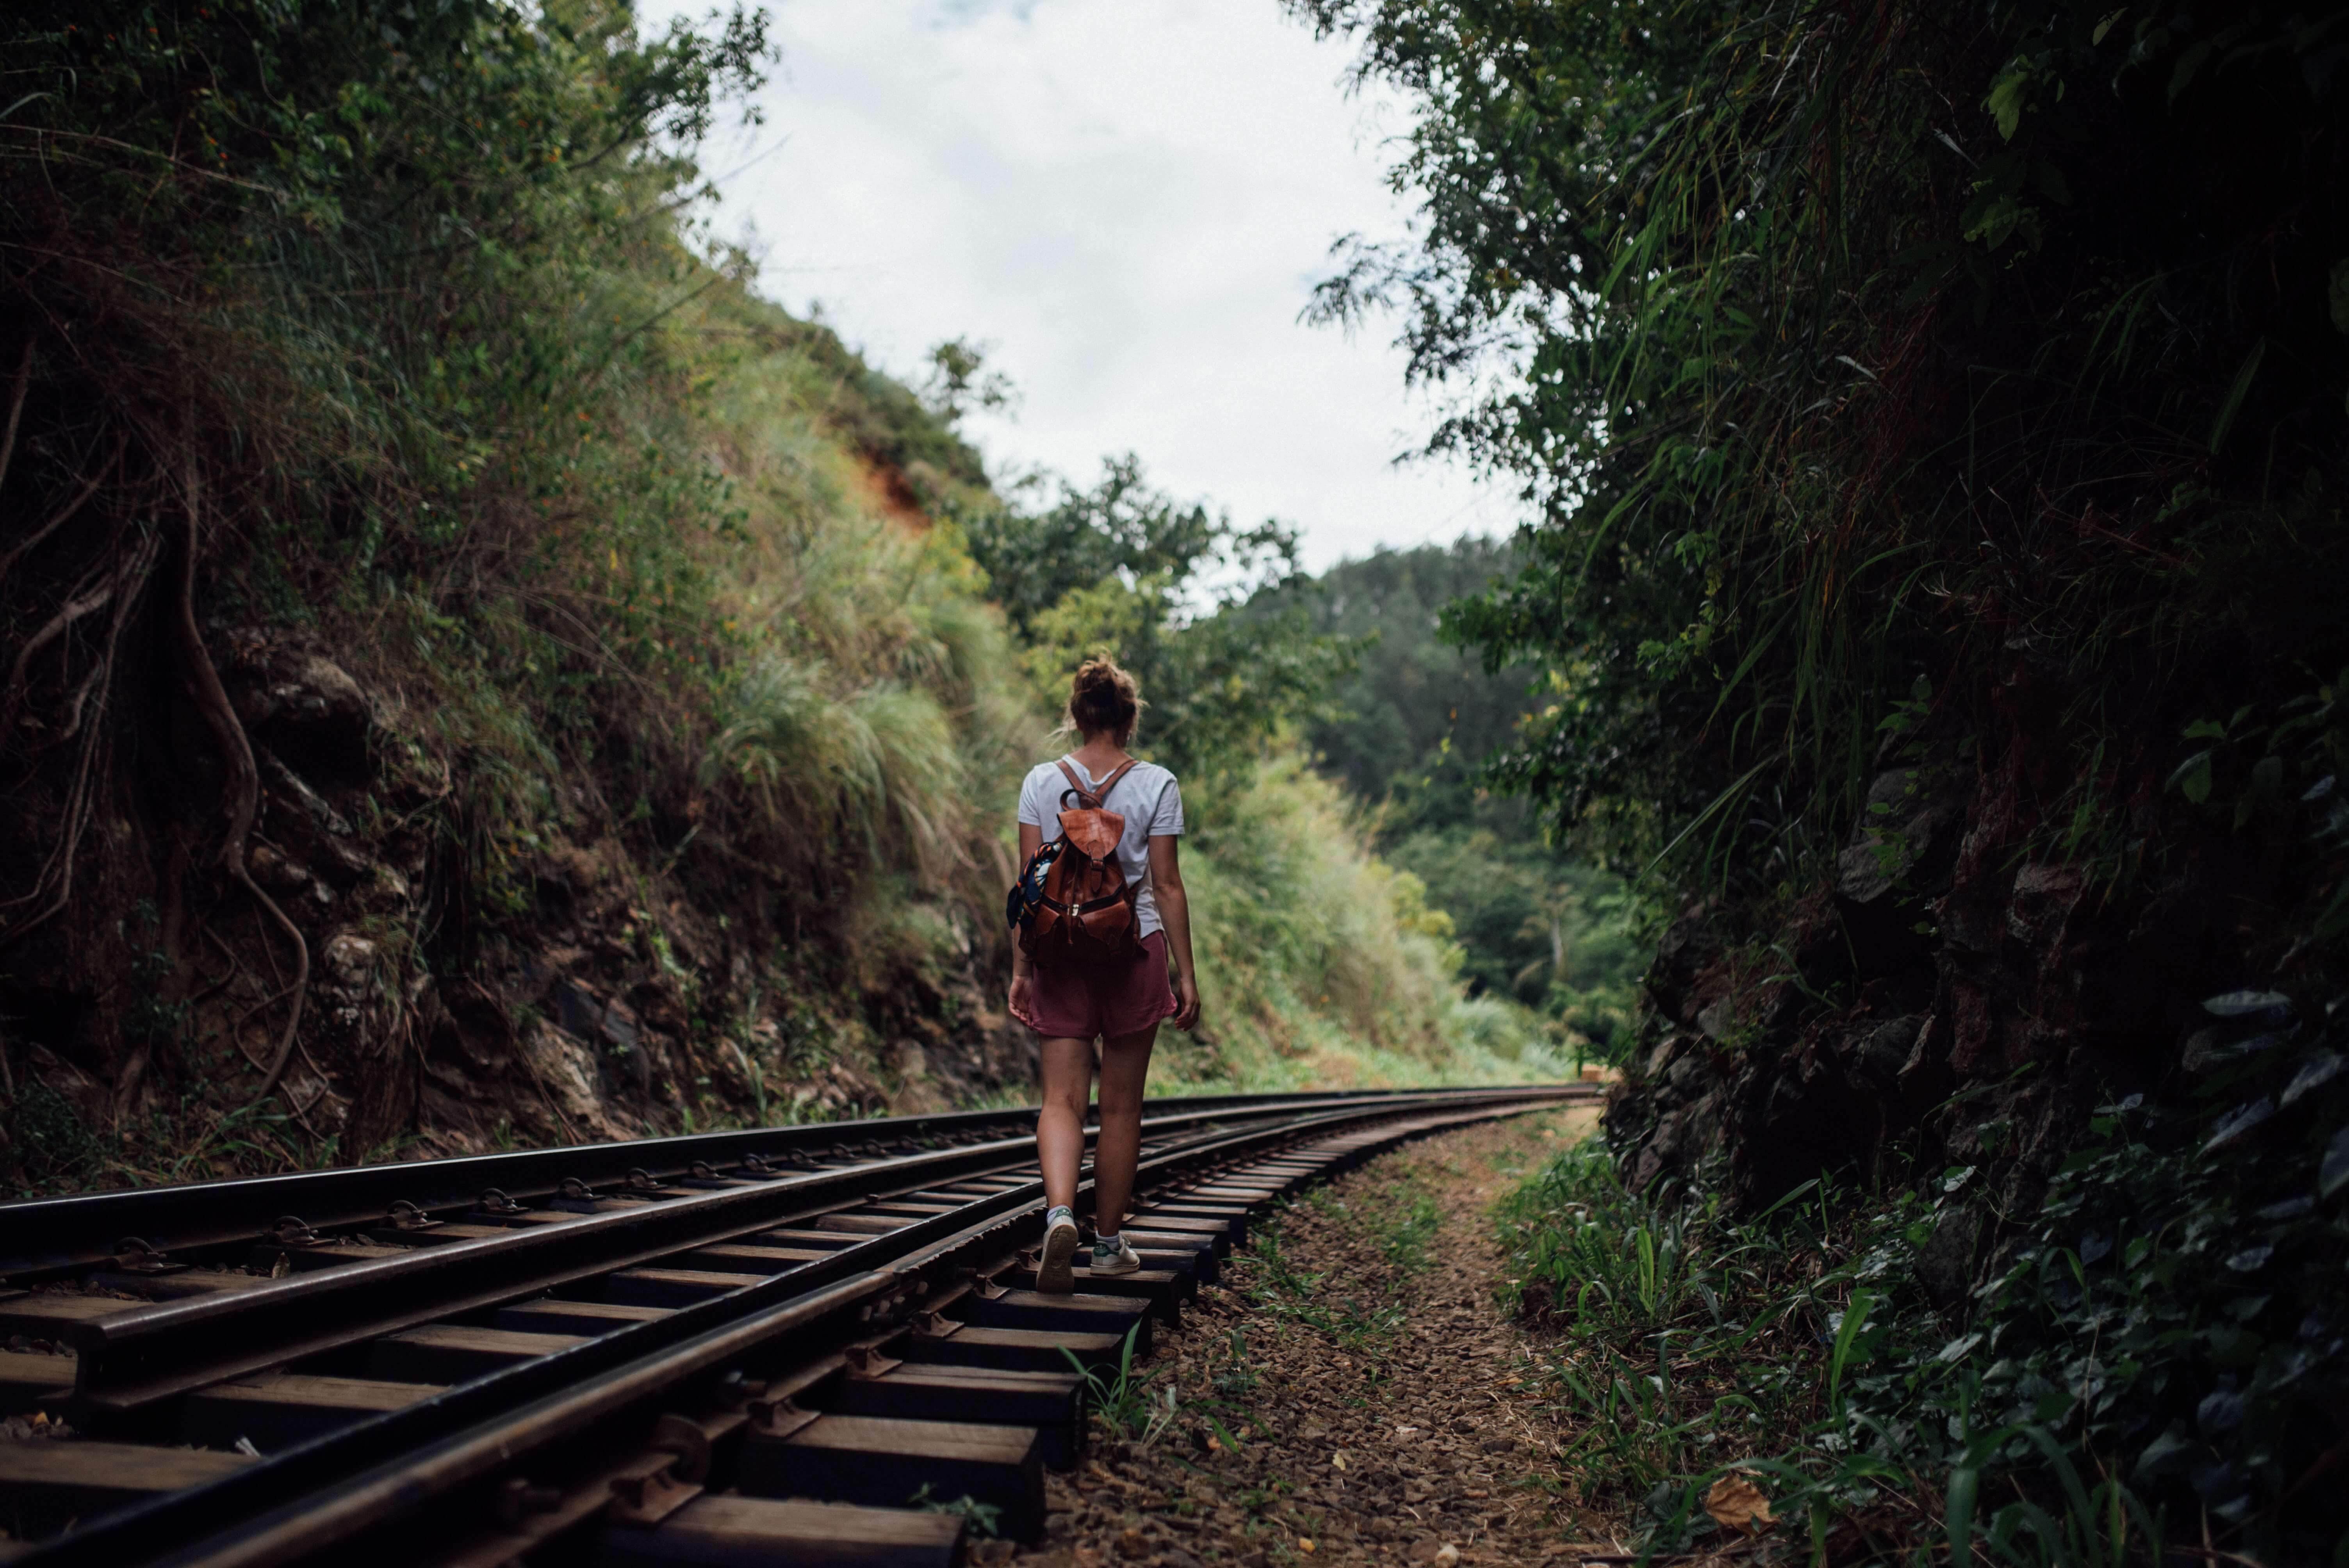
(1111, 1255)
(1061, 1238)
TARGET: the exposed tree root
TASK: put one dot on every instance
(58, 872)
(235, 969)
(85, 600)
(57, 518)
(236, 1031)
(16, 406)
(242, 793)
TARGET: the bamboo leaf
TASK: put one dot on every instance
(2237, 393)
(1958, 1514)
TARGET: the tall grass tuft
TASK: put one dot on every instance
(1322, 966)
(1797, 1351)
(873, 776)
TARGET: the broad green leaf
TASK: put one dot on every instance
(2189, 63)
(1958, 1514)
(2009, 96)
(2192, 778)
(2237, 393)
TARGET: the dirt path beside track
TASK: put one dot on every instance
(1382, 1407)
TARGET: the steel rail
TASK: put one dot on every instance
(52, 1235)
(144, 1355)
(294, 1505)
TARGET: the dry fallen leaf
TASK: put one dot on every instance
(1446, 1555)
(1338, 1459)
(1738, 1503)
(1132, 1544)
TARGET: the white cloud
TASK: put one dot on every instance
(1130, 201)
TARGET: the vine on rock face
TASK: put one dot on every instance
(243, 794)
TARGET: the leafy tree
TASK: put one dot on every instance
(960, 381)
(1121, 527)
(1411, 730)
(1957, 386)
(1413, 700)
(1122, 569)
(1836, 346)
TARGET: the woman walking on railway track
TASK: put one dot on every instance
(1098, 913)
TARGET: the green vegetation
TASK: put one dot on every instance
(1691, 1342)
(1814, 399)
(1115, 571)
(1933, 418)
(689, 662)
(1126, 1402)
(1412, 729)
(1323, 965)
(2171, 1305)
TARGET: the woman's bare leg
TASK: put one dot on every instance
(1060, 1124)
(1125, 1064)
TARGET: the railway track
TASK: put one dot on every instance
(810, 1346)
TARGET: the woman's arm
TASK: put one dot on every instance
(1031, 838)
(1174, 911)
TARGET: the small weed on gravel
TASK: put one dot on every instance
(1126, 1401)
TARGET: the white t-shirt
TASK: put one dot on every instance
(1147, 798)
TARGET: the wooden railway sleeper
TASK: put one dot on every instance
(951, 1366)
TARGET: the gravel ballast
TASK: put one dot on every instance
(1383, 1408)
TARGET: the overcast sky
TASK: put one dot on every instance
(1127, 202)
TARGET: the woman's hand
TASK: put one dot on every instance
(1022, 1005)
(1186, 1004)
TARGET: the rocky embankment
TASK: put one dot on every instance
(594, 978)
(1966, 993)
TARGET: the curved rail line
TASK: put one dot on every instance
(785, 1345)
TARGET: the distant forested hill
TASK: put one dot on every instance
(1410, 732)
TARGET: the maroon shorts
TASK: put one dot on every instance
(1077, 1002)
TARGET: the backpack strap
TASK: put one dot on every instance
(1098, 796)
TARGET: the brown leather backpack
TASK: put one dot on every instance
(1083, 913)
